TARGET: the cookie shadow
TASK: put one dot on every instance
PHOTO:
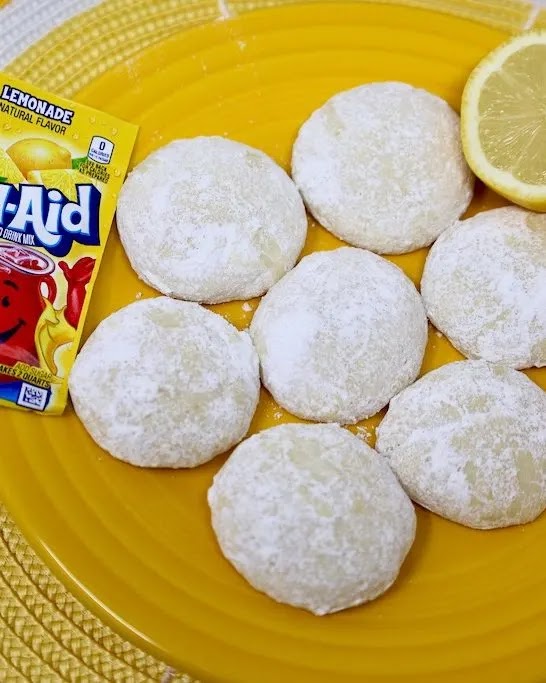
(414, 560)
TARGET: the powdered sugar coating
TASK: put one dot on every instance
(484, 287)
(381, 166)
(468, 441)
(310, 515)
(166, 383)
(339, 335)
(208, 219)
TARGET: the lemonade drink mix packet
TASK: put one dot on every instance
(61, 168)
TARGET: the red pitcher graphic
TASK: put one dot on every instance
(31, 328)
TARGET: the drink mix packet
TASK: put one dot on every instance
(62, 165)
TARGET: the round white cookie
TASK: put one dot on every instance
(209, 219)
(310, 515)
(340, 335)
(468, 441)
(484, 287)
(381, 166)
(166, 383)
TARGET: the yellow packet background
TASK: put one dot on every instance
(62, 165)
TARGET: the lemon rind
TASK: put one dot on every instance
(503, 182)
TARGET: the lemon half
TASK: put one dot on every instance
(64, 180)
(9, 170)
(503, 120)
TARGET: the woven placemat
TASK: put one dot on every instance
(46, 635)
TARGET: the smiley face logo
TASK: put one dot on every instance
(24, 282)
(9, 310)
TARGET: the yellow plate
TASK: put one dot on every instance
(136, 545)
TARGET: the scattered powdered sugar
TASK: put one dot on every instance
(208, 219)
(311, 516)
(381, 166)
(166, 383)
(363, 433)
(340, 335)
(247, 308)
(468, 441)
(484, 286)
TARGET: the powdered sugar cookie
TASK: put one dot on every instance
(381, 166)
(484, 287)
(208, 219)
(312, 516)
(165, 383)
(340, 335)
(468, 441)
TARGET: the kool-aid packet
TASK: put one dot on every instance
(62, 165)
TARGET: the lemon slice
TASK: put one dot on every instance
(9, 172)
(64, 180)
(503, 120)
